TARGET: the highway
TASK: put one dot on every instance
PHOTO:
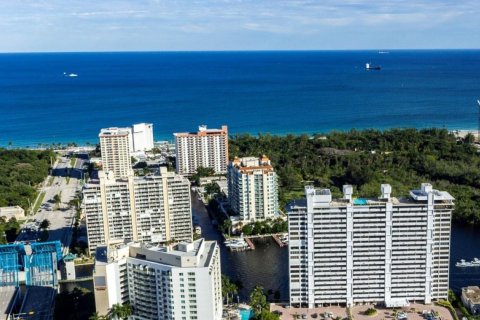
(61, 218)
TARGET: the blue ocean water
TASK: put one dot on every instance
(276, 92)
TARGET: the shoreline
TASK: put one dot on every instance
(457, 132)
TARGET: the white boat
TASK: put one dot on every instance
(475, 262)
(284, 239)
(463, 264)
(71, 75)
(198, 230)
(235, 243)
(369, 66)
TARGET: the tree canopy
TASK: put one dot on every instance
(21, 170)
(403, 158)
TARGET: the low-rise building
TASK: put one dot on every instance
(12, 212)
(471, 299)
(171, 283)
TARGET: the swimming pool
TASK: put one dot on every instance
(245, 314)
(360, 201)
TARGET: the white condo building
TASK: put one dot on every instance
(179, 283)
(206, 148)
(152, 209)
(252, 188)
(388, 250)
(142, 137)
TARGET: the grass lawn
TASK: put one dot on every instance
(39, 202)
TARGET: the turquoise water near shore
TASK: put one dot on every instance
(274, 92)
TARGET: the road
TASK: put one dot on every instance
(61, 218)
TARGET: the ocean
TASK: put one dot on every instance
(275, 92)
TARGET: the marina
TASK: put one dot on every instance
(463, 264)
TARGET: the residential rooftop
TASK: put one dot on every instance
(323, 197)
(472, 293)
(194, 254)
(203, 131)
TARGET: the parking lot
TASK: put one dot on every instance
(287, 313)
(413, 312)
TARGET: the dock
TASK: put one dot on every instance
(250, 243)
(278, 241)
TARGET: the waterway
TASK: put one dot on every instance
(267, 265)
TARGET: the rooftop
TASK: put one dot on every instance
(203, 131)
(248, 164)
(7, 297)
(323, 197)
(472, 294)
(114, 131)
(39, 301)
(195, 254)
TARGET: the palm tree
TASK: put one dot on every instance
(96, 316)
(57, 200)
(119, 311)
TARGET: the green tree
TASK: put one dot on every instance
(57, 199)
(258, 300)
(202, 172)
(229, 289)
(212, 189)
(119, 311)
(45, 224)
(469, 138)
(226, 226)
(96, 316)
(266, 315)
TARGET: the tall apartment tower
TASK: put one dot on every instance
(386, 250)
(142, 136)
(252, 188)
(154, 209)
(116, 145)
(179, 283)
(206, 148)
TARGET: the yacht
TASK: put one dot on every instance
(369, 66)
(463, 263)
(235, 243)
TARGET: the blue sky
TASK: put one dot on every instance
(108, 25)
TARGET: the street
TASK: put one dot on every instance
(61, 218)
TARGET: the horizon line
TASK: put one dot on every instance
(240, 50)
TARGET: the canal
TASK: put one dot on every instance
(267, 265)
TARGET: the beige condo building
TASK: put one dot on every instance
(115, 145)
(252, 188)
(154, 209)
(206, 148)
